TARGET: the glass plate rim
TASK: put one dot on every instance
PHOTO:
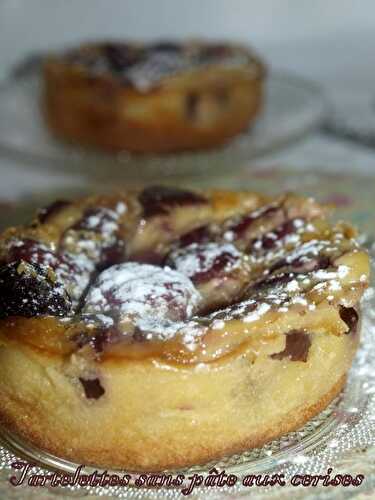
(79, 157)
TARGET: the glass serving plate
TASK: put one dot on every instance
(341, 438)
(293, 106)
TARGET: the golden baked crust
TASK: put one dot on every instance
(152, 99)
(242, 329)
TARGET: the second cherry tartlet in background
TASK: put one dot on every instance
(154, 98)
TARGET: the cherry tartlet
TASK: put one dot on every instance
(164, 328)
(153, 98)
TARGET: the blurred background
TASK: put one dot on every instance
(330, 43)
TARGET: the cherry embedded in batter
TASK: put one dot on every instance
(297, 345)
(350, 316)
(92, 387)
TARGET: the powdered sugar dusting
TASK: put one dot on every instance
(277, 261)
(144, 67)
(156, 300)
(196, 258)
(95, 231)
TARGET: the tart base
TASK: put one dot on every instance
(185, 416)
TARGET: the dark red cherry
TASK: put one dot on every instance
(31, 251)
(92, 387)
(302, 264)
(350, 316)
(159, 200)
(274, 281)
(112, 255)
(147, 257)
(203, 262)
(239, 227)
(28, 290)
(218, 266)
(297, 346)
(201, 234)
(120, 56)
(270, 239)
